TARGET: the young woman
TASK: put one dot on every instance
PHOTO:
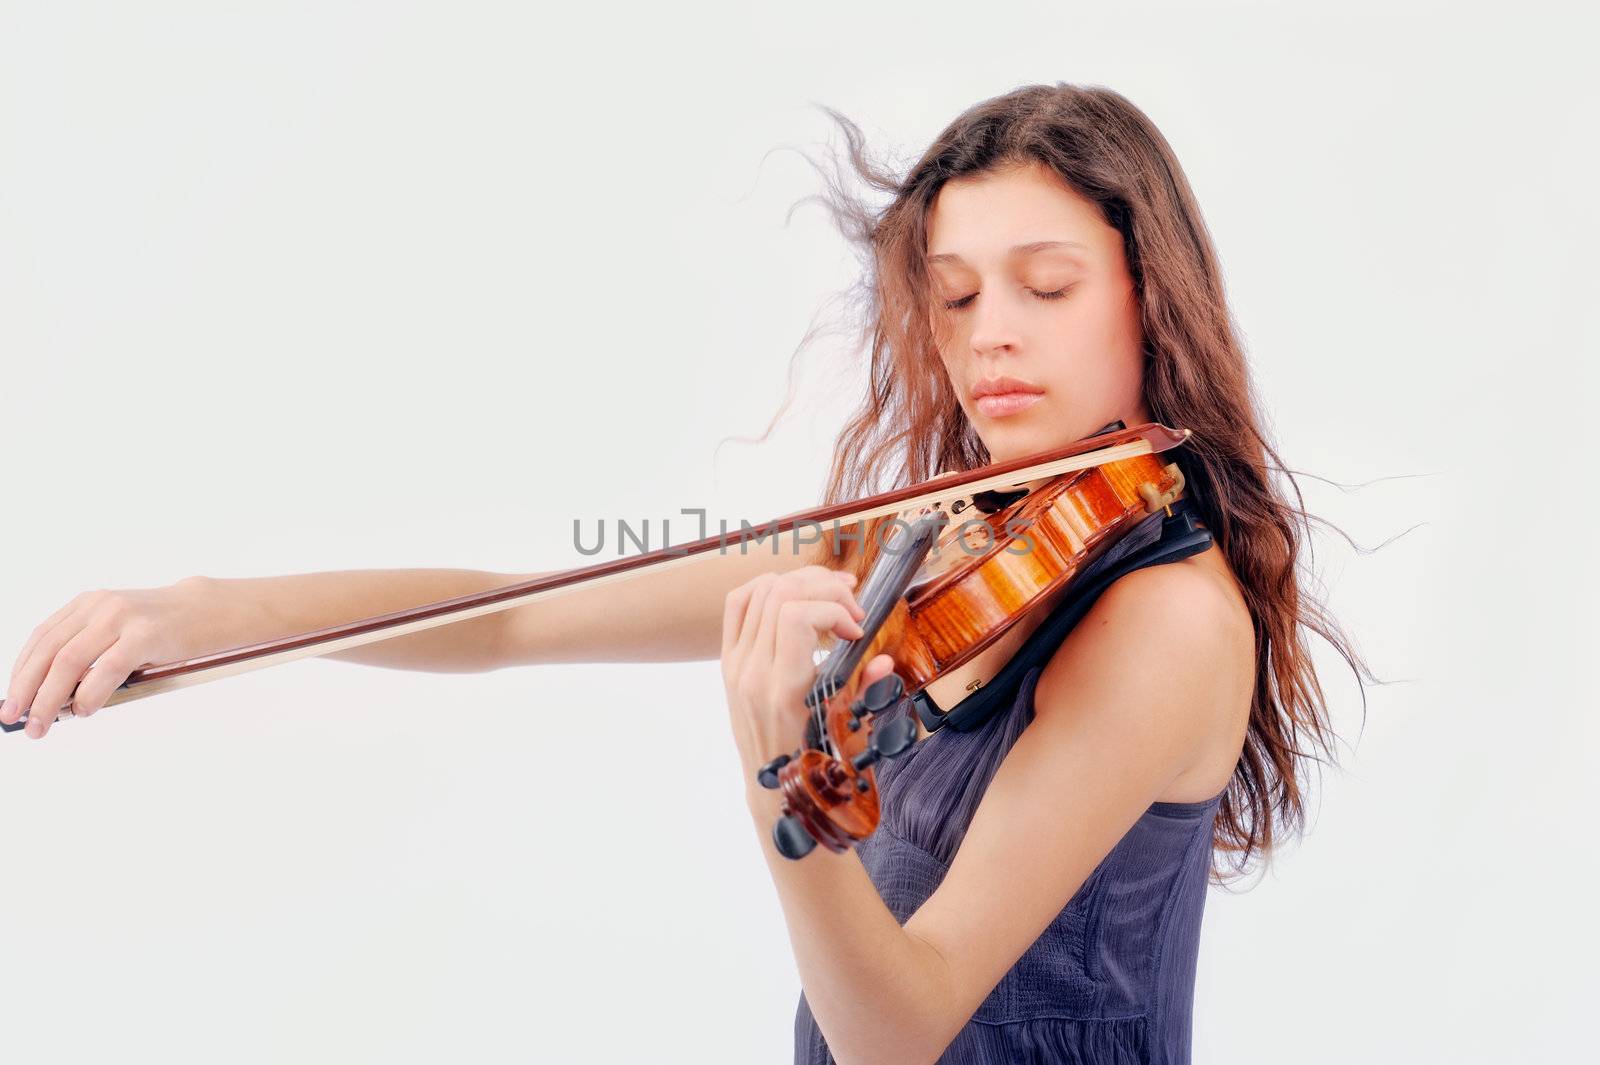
(1035, 887)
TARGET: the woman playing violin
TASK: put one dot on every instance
(1035, 887)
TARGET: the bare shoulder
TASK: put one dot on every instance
(1180, 638)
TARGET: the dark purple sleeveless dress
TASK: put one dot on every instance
(1111, 980)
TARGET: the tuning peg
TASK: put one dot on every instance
(879, 696)
(791, 837)
(889, 740)
(895, 738)
(767, 775)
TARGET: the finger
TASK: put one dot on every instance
(815, 584)
(819, 582)
(741, 607)
(106, 675)
(733, 611)
(795, 629)
(25, 682)
(44, 627)
(879, 667)
(68, 667)
(762, 641)
(751, 627)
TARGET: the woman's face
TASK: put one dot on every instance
(1001, 246)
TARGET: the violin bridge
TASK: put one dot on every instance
(1154, 498)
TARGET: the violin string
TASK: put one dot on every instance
(819, 719)
(818, 686)
(822, 715)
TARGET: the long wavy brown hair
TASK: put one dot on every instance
(910, 425)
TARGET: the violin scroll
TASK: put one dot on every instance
(830, 800)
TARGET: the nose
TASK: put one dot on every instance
(993, 328)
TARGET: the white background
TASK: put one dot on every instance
(295, 287)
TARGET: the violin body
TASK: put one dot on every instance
(978, 577)
(1027, 551)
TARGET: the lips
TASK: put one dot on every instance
(997, 397)
(1000, 386)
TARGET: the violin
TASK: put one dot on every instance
(1071, 502)
(932, 608)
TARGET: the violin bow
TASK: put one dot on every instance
(1097, 450)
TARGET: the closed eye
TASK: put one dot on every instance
(956, 305)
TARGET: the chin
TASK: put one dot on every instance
(1007, 444)
(1039, 428)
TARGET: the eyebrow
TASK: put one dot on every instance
(1019, 249)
